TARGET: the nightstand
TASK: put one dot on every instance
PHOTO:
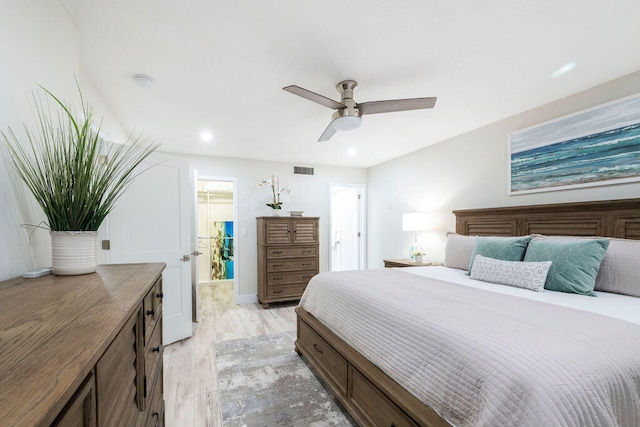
(405, 263)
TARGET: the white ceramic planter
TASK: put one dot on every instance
(276, 212)
(74, 252)
(417, 258)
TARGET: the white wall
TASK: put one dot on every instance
(470, 171)
(310, 194)
(39, 45)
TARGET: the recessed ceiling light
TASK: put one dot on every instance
(352, 152)
(142, 80)
(564, 69)
(206, 136)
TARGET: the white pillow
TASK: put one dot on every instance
(457, 252)
(519, 274)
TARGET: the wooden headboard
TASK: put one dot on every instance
(610, 218)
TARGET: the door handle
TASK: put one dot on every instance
(196, 253)
(185, 258)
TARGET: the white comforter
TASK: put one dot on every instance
(482, 358)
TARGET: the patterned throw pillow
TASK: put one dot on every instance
(519, 274)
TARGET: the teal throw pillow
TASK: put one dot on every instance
(503, 248)
(575, 264)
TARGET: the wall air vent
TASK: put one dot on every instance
(301, 170)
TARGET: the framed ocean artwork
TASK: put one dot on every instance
(598, 146)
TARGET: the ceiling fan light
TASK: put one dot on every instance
(347, 123)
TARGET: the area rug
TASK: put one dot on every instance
(263, 382)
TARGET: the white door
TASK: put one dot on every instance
(152, 223)
(347, 227)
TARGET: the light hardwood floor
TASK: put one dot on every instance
(190, 377)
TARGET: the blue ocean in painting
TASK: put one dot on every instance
(613, 154)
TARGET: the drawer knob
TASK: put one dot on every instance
(155, 349)
(278, 291)
(275, 279)
(151, 312)
(277, 265)
(160, 294)
(316, 348)
(156, 415)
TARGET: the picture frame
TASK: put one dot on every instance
(597, 146)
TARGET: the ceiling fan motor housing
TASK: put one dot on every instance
(348, 118)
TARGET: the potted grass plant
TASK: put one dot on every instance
(75, 176)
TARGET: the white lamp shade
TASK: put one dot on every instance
(416, 221)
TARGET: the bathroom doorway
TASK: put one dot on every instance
(216, 231)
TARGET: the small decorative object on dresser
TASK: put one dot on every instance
(288, 251)
(273, 184)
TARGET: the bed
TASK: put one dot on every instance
(433, 346)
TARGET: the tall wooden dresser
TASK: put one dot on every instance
(83, 350)
(288, 257)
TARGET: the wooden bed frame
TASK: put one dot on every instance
(372, 397)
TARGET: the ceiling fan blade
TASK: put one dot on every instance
(312, 96)
(328, 133)
(375, 107)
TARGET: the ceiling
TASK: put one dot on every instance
(220, 66)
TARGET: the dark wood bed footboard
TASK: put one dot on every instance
(370, 396)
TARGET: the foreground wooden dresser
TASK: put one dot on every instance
(83, 350)
(288, 257)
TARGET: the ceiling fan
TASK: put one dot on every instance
(348, 114)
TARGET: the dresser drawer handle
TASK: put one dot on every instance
(277, 279)
(277, 252)
(151, 312)
(155, 349)
(316, 348)
(156, 415)
(307, 252)
(278, 292)
(160, 295)
(306, 264)
(276, 265)
(307, 277)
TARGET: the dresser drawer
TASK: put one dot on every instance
(153, 352)
(117, 396)
(334, 367)
(285, 291)
(292, 252)
(292, 265)
(152, 309)
(155, 414)
(373, 405)
(284, 278)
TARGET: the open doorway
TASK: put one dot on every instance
(215, 233)
(347, 227)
